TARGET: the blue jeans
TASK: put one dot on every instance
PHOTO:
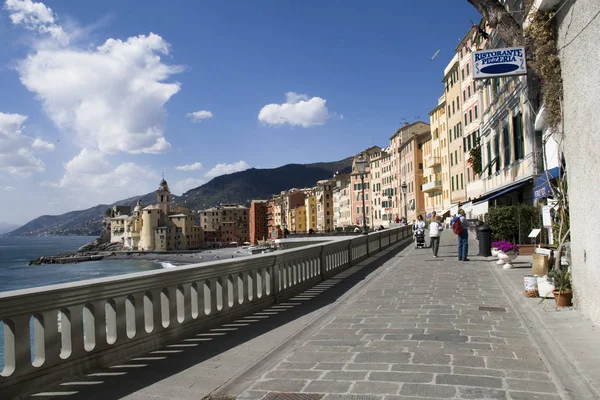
(463, 245)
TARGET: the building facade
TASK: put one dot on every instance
(258, 221)
(324, 202)
(342, 201)
(157, 227)
(229, 222)
(357, 189)
(436, 176)
(310, 204)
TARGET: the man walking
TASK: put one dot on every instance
(435, 229)
(460, 226)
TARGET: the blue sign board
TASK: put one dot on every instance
(494, 63)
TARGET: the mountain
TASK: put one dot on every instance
(239, 187)
(83, 222)
(6, 227)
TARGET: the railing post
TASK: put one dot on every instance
(323, 261)
(350, 253)
(275, 279)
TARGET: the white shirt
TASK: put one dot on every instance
(419, 225)
(435, 228)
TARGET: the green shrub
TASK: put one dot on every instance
(513, 223)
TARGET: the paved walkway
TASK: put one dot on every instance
(402, 325)
(418, 330)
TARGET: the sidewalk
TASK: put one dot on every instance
(563, 333)
(419, 329)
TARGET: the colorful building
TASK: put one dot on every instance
(324, 195)
(357, 199)
(342, 201)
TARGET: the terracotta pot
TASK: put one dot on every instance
(564, 299)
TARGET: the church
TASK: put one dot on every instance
(157, 227)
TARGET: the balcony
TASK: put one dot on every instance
(433, 162)
(432, 186)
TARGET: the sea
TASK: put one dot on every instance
(15, 273)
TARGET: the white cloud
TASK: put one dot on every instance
(89, 172)
(190, 167)
(9, 188)
(18, 151)
(198, 116)
(36, 17)
(112, 97)
(182, 186)
(223, 169)
(298, 110)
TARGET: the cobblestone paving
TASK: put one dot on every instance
(416, 331)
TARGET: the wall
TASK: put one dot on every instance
(580, 59)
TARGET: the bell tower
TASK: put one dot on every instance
(163, 197)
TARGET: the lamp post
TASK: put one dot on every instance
(361, 166)
(389, 204)
(404, 187)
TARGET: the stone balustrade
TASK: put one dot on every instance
(55, 332)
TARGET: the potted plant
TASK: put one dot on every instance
(507, 252)
(563, 293)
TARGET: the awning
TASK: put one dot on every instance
(500, 192)
(542, 183)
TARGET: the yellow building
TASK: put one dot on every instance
(157, 227)
(300, 219)
(436, 180)
(310, 204)
(454, 117)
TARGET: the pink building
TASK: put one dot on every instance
(357, 215)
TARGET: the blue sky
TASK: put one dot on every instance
(100, 94)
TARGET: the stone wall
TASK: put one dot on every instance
(579, 30)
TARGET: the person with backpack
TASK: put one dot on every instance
(460, 227)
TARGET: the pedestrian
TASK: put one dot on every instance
(435, 230)
(460, 226)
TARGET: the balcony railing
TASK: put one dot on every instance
(432, 162)
(76, 327)
(431, 186)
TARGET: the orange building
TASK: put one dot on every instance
(258, 221)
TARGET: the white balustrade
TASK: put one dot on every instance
(53, 332)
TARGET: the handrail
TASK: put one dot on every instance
(82, 325)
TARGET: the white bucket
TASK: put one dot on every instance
(531, 286)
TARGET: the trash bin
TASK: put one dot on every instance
(484, 234)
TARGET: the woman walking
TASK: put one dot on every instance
(435, 230)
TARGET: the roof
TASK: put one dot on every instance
(406, 126)
(177, 215)
(441, 105)
(152, 207)
(121, 217)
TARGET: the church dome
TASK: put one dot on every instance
(163, 186)
(138, 206)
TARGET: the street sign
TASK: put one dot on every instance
(496, 63)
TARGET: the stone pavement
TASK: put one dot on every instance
(419, 329)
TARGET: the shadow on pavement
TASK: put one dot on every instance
(132, 375)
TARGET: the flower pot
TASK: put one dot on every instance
(506, 258)
(563, 298)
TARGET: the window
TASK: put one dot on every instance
(456, 160)
(421, 166)
(466, 122)
(469, 142)
(518, 136)
(469, 91)
(453, 108)
(468, 71)
(497, 151)
(474, 88)
(451, 160)
(462, 181)
(496, 85)
(464, 95)
(470, 116)
(462, 70)
(506, 143)
(476, 116)
(468, 175)
(453, 184)
(457, 101)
